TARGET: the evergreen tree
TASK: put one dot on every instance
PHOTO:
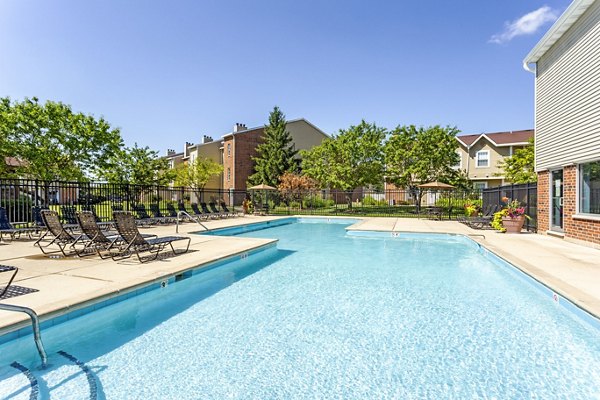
(276, 154)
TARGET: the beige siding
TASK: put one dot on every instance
(304, 135)
(568, 96)
(211, 150)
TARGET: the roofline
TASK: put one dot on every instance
(556, 31)
(286, 122)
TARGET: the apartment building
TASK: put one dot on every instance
(567, 124)
(481, 154)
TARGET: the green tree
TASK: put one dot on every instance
(197, 174)
(138, 166)
(417, 155)
(520, 167)
(352, 159)
(276, 154)
(53, 142)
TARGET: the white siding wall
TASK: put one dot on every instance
(568, 96)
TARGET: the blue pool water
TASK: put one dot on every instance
(325, 315)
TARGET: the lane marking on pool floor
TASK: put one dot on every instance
(88, 373)
(33, 382)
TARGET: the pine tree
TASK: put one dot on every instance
(276, 154)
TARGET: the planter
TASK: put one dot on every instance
(513, 225)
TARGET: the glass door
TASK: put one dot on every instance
(556, 201)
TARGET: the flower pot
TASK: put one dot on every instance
(513, 225)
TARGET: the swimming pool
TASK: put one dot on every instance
(325, 314)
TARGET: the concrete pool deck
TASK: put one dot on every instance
(66, 284)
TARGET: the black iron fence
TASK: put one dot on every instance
(19, 196)
(525, 193)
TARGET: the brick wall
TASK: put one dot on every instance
(578, 229)
(243, 148)
(543, 202)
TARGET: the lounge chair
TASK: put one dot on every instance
(136, 243)
(62, 238)
(231, 213)
(171, 210)
(484, 220)
(211, 214)
(215, 210)
(199, 214)
(163, 219)
(98, 239)
(69, 214)
(143, 218)
(7, 228)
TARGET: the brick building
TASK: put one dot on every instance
(239, 146)
(567, 119)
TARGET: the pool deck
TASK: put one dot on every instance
(66, 284)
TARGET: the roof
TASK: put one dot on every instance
(287, 122)
(510, 138)
(566, 20)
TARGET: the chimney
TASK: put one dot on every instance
(186, 148)
(206, 139)
(239, 127)
(170, 152)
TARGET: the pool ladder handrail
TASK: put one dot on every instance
(35, 321)
(190, 217)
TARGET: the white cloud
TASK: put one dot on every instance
(525, 25)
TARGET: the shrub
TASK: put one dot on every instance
(458, 203)
(371, 201)
(317, 202)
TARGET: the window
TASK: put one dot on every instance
(483, 159)
(228, 174)
(479, 185)
(228, 149)
(589, 188)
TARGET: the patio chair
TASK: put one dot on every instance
(199, 214)
(484, 220)
(98, 239)
(69, 214)
(232, 213)
(136, 243)
(211, 214)
(215, 210)
(8, 228)
(62, 238)
(163, 219)
(171, 210)
(143, 218)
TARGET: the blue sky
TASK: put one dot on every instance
(168, 72)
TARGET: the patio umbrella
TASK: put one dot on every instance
(436, 185)
(262, 186)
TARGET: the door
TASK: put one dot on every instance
(556, 201)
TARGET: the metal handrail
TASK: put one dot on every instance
(35, 321)
(190, 217)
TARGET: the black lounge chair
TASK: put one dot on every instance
(211, 214)
(136, 243)
(484, 220)
(199, 214)
(162, 219)
(231, 213)
(69, 214)
(215, 210)
(171, 210)
(98, 239)
(7, 228)
(143, 218)
(62, 238)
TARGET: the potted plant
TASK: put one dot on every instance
(247, 206)
(511, 218)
